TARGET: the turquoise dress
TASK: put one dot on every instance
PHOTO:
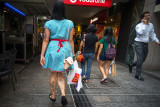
(54, 58)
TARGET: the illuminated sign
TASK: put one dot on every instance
(98, 3)
(16, 10)
(93, 20)
(99, 18)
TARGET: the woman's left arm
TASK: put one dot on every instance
(71, 42)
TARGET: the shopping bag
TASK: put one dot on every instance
(79, 84)
(110, 67)
(114, 69)
(74, 76)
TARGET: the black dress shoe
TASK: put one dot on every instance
(51, 98)
(130, 68)
(139, 78)
(64, 101)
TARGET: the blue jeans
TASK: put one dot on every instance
(89, 58)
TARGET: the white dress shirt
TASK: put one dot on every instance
(144, 31)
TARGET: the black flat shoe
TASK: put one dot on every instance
(51, 98)
(64, 101)
(139, 78)
(130, 68)
(103, 81)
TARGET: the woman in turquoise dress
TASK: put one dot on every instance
(58, 35)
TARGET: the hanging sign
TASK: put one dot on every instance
(99, 18)
(93, 20)
(97, 3)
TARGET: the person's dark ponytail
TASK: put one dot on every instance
(108, 35)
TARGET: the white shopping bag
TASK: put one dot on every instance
(74, 76)
(110, 67)
(79, 84)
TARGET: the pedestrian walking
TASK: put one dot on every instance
(144, 30)
(101, 56)
(90, 48)
(53, 48)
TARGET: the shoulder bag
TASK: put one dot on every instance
(69, 61)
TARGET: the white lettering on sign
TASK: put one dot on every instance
(93, 20)
(96, 3)
(73, 1)
(89, 1)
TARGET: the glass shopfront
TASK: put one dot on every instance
(18, 34)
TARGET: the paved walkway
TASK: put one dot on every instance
(32, 89)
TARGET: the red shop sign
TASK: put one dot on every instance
(98, 3)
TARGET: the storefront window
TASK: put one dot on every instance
(114, 22)
(14, 25)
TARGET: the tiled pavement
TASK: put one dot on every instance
(32, 89)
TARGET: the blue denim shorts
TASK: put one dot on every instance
(103, 57)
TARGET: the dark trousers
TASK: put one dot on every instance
(141, 50)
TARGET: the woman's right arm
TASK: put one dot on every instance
(71, 42)
(44, 45)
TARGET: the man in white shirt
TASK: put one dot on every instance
(144, 30)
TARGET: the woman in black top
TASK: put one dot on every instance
(89, 50)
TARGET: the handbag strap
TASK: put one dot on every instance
(84, 39)
(67, 39)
